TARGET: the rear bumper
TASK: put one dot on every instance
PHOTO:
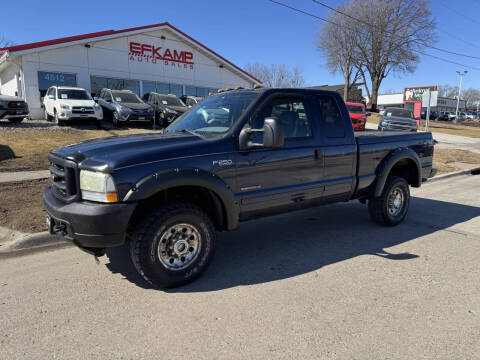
(88, 224)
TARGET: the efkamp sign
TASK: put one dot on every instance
(415, 93)
(157, 54)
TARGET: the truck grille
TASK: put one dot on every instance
(82, 110)
(16, 104)
(64, 178)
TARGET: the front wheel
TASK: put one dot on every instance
(392, 206)
(115, 119)
(173, 245)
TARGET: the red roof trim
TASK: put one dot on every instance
(113, 32)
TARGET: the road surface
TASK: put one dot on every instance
(320, 283)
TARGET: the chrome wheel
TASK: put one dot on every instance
(179, 246)
(395, 201)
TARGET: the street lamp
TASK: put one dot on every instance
(459, 92)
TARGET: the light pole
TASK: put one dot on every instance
(459, 92)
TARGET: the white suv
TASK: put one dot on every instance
(63, 103)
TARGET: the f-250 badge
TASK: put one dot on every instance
(222, 162)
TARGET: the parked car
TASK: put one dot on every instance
(278, 150)
(471, 115)
(461, 116)
(357, 114)
(121, 106)
(62, 104)
(167, 107)
(13, 108)
(433, 115)
(451, 115)
(191, 101)
(397, 119)
(443, 116)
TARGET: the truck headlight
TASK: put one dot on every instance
(65, 106)
(97, 186)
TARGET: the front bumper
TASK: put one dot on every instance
(396, 127)
(88, 224)
(13, 113)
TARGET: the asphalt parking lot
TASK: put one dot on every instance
(319, 283)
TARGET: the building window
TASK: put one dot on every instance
(47, 79)
(97, 83)
(176, 89)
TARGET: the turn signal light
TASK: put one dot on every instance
(111, 197)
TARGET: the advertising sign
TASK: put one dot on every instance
(415, 93)
(160, 55)
(47, 79)
(433, 98)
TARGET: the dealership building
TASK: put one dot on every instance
(144, 59)
(398, 100)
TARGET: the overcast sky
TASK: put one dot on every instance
(248, 31)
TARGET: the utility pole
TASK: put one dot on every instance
(459, 92)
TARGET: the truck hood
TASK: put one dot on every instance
(73, 102)
(136, 106)
(109, 154)
(398, 120)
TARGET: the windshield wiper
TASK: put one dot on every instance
(186, 131)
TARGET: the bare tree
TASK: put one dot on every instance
(388, 34)
(447, 91)
(338, 44)
(471, 96)
(277, 75)
(5, 43)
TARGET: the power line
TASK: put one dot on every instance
(458, 12)
(393, 34)
(333, 23)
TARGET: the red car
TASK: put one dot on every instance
(358, 115)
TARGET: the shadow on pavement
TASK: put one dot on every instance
(288, 245)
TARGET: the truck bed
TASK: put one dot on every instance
(376, 137)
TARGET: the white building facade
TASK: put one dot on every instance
(158, 58)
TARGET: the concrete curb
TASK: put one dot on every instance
(18, 242)
(450, 175)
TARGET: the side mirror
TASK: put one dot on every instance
(51, 97)
(95, 99)
(272, 135)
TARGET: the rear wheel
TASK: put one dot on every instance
(173, 245)
(392, 206)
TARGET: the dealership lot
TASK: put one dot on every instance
(304, 288)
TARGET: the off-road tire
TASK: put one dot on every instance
(145, 242)
(378, 206)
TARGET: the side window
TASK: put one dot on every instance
(291, 114)
(332, 118)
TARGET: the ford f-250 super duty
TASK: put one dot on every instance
(236, 156)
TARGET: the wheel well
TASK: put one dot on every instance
(407, 169)
(202, 197)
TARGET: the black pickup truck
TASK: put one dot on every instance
(236, 156)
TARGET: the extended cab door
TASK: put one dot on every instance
(286, 177)
(338, 147)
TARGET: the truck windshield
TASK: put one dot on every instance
(215, 115)
(355, 109)
(72, 94)
(398, 113)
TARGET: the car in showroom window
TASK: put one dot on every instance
(215, 115)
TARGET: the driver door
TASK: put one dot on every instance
(280, 179)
